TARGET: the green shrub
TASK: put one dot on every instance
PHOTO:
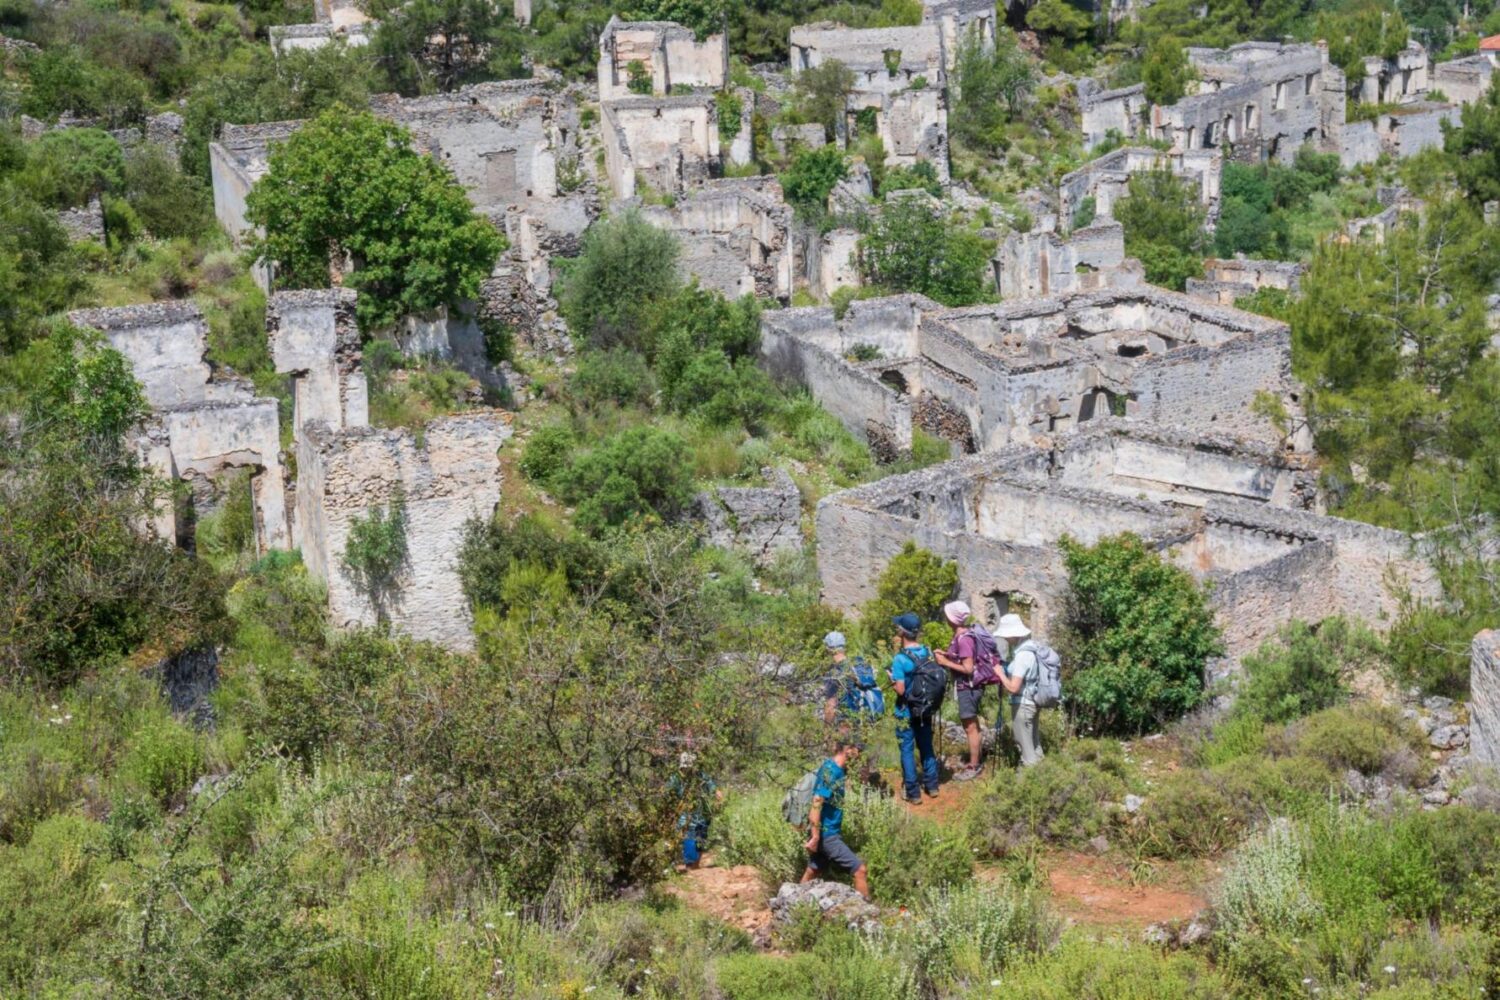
(1263, 891)
(963, 937)
(619, 377)
(1136, 633)
(547, 452)
(658, 949)
(608, 293)
(1304, 670)
(1238, 735)
(164, 758)
(914, 580)
(636, 473)
(1062, 800)
(1367, 737)
(755, 833)
(907, 854)
(54, 896)
(1083, 969)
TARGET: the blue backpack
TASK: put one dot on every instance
(862, 695)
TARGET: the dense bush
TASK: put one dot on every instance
(755, 833)
(619, 377)
(1367, 737)
(1163, 222)
(810, 178)
(909, 246)
(635, 473)
(609, 291)
(1136, 633)
(1064, 800)
(914, 580)
(1306, 669)
(908, 855)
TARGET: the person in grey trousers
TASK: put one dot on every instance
(1019, 679)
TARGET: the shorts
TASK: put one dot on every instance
(969, 702)
(833, 851)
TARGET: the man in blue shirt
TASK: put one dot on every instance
(913, 736)
(826, 846)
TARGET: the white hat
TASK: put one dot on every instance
(957, 612)
(1012, 627)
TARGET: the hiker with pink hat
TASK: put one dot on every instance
(973, 657)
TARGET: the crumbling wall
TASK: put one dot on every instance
(958, 21)
(670, 143)
(1464, 81)
(339, 13)
(736, 237)
(286, 38)
(86, 223)
(1107, 178)
(1414, 128)
(763, 520)
(450, 477)
(1122, 111)
(833, 262)
(669, 53)
(1225, 281)
(1484, 698)
(315, 339)
(1401, 79)
(165, 343)
(1042, 263)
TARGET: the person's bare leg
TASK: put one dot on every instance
(809, 873)
(976, 741)
(861, 882)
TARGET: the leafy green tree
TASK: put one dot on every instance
(1166, 71)
(1306, 669)
(609, 292)
(811, 177)
(704, 16)
(914, 580)
(820, 94)
(1059, 18)
(1136, 633)
(638, 473)
(991, 83)
(68, 167)
(910, 246)
(1163, 222)
(1475, 148)
(350, 183)
(1390, 342)
(61, 79)
(422, 44)
(168, 202)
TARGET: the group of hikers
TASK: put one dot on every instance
(852, 700)
(1027, 670)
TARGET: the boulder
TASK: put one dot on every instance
(1484, 698)
(835, 900)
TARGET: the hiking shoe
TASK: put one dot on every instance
(932, 794)
(968, 774)
(914, 802)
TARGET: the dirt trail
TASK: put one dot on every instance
(735, 895)
(1094, 890)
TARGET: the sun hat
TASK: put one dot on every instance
(909, 623)
(957, 612)
(834, 640)
(1012, 627)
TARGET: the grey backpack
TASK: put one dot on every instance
(1044, 686)
(797, 802)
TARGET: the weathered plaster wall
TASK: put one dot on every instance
(314, 338)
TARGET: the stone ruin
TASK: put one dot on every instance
(339, 13)
(900, 79)
(286, 38)
(1484, 698)
(1107, 179)
(985, 376)
(1402, 79)
(669, 143)
(1240, 516)
(1264, 99)
(1042, 263)
(1225, 281)
(670, 55)
(762, 520)
(443, 475)
(959, 20)
(203, 426)
(1464, 81)
(735, 237)
(1122, 111)
(1398, 133)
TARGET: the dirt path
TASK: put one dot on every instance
(1094, 890)
(735, 895)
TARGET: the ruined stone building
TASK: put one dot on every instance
(203, 425)
(339, 13)
(1225, 281)
(667, 54)
(958, 21)
(986, 376)
(1401, 79)
(1263, 100)
(670, 143)
(310, 37)
(899, 91)
(734, 237)
(1242, 517)
(1107, 179)
(440, 477)
(1123, 111)
(1042, 262)
(1464, 81)
(1398, 133)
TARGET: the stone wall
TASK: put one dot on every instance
(670, 143)
(1225, 281)
(736, 237)
(833, 262)
(86, 223)
(1042, 263)
(1464, 81)
(669, 53)
(958, 20)
(1401, 79)
(1122, 111)
(311, 37)
(1107, 178)
(450, 477)
(314, 338)
(763, 520)
(1484, 698)
(1414, 128)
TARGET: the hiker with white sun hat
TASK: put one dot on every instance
(1032, 677)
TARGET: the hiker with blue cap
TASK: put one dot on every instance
(920, 683)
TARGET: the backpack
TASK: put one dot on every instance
(862, 695)
(925, 685)
(797, 802)
(986, 656)
(1046, 685)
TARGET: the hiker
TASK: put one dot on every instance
(702, 792)
(972, 657)
(920, 683)
(1031, 678)
(825, 818)
(851, 694)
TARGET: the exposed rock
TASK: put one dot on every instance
(1436, 797)
(1133, 804)
(1484, 697)
(837, 901)
(1449, 737)
(1437, 703)
(188, 679)
(761, 519)
(1098, 845)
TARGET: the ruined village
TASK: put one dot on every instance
(750, 364)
